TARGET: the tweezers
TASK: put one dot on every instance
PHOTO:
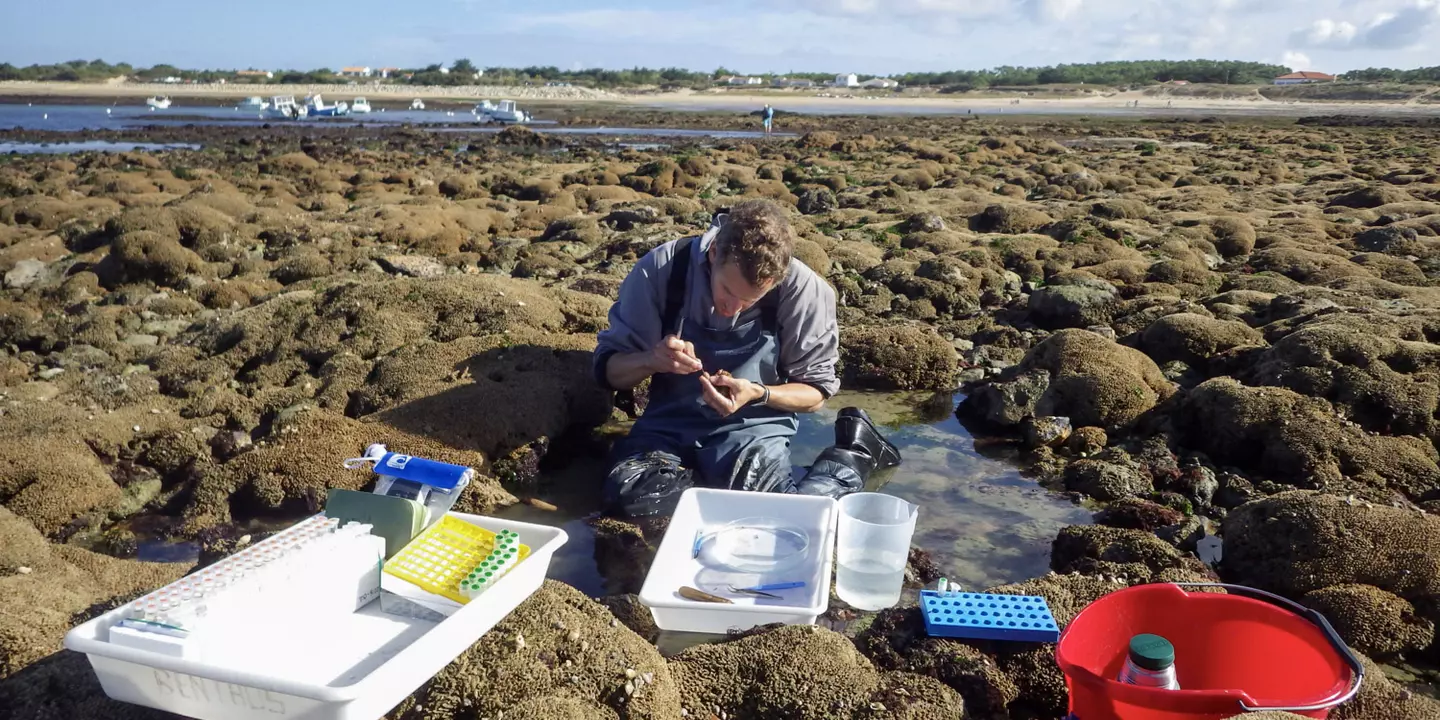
(759, 590)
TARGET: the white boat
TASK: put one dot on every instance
(417, 104)
(255, 103)
(503, 112)
(360, 105)
(284, 106)
(317, 107)
(159, 101)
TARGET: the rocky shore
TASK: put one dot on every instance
(1205, 328)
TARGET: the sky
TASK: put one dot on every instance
(748, 36)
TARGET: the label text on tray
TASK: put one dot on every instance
(198, 689)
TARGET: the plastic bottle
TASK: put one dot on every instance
(1150, 663)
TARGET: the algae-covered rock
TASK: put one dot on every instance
(558, 651)
(1371, 620)
(802, 672)
(898, 357)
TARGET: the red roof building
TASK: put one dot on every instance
(1306, 76)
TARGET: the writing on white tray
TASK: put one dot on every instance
(199, 689)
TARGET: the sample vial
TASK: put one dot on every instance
(1150, 663)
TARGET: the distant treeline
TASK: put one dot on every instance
(464, 72)
(1137, 72)
(1418, 75)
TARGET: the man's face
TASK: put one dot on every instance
(728, 287)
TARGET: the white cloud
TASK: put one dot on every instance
(1325, 33)
(1392, 29)
(1296, 61)
(1055, 10)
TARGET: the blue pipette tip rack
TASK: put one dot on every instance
(1020, 618)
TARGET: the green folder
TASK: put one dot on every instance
(396, 519)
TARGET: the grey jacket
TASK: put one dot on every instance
(808, 334)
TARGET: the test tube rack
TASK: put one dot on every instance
(314, 566)
(446, 554)
(1023, 618)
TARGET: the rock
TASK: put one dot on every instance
(1104, 331)
(1072, 306)
(928, 222)
(1094, 381)
(65, 582)
(1106, 481)
(1137, 514)
(1195, 339)
(1371, 197)
(558, 649)
(897, 357)
(1382, 699)
(1198, 484)
(1010, 219)
(1371, 620)
(1232, 491)
(24, 274)
(1297, 439)
(628, 610)
(1185, 534)
(413, 265)
(1234, 236)
(626, 217)
(1087, 440)
(1301, 541)
(896, 640)
(802, 672)
(1387, 238)
(1137, 555)
(624, 552)
(1045, 431)
(141, 340)
(1007, 403)
(817, 201)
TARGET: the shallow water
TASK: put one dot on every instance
(88, 146)
(70, 118)
(983, 523)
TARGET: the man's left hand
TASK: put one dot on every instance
(741, 392)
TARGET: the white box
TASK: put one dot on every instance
(358, 666)
(707, 510)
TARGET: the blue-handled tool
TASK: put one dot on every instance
(776, 586)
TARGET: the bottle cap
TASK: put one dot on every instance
(1151, 652)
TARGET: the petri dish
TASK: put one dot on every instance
(757, 545)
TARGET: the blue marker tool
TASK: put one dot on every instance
(1021, 618)
(776, 586)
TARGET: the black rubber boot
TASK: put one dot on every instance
(854, 430)
(858, 451)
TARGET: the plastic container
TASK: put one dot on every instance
(1150, 662)
(874, 545)
(356, 666)
(709, 565)
(433, 484)
(1233, 654)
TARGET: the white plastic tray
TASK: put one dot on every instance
(357, 667)
(705, 509)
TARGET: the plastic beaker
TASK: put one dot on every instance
(873, 547)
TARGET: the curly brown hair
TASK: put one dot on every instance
(759, 238)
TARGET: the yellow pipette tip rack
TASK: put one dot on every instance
(441, 556)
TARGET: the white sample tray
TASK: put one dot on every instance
(356, 666)
(708, 510)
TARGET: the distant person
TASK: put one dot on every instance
(769, 119)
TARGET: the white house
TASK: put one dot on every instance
(743, 80)
(846, 81)
(793, 82)
(356, 71)
(881, 83)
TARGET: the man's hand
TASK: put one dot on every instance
(727, 393)
(673, 355)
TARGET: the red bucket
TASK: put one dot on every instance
(1233, 655)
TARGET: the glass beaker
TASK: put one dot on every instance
(872, 548)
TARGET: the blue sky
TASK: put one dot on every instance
(753, 36)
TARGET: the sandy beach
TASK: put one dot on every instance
(823, 101)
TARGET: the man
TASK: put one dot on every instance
(736, 337)
(769, 118)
